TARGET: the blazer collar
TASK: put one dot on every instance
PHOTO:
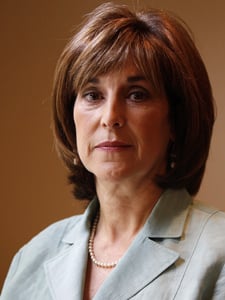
(142, 263)
(146, 259)
(66, 271)
(169, 214)
(165, 221)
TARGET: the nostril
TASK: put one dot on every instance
(115, 124)
(112, 115)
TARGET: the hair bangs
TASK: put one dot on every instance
(111, 52)
(146, 55)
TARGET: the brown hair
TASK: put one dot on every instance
(162, 48)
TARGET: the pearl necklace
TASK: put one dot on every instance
(91, 248)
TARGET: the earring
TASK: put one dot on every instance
(172, 157)
(75, 158)
(75, 161)
(173, 163)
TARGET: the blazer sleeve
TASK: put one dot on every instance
(219, 293)
(9, 278)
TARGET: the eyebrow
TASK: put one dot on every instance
(135, 78)
(93, 80)
(130, 79)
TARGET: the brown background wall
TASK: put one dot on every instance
(34, 192)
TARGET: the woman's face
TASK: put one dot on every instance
(122, 128)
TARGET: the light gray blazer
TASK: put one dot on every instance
(179, 254)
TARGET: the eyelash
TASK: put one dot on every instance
(137, 95)
(94, 95)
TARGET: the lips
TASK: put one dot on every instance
(113, 145)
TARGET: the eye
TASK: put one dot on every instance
(92, 96)
(139, 95)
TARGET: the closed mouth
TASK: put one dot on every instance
(113, 145)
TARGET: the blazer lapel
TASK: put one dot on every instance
(143, 262)
(66, 271)
(146, 258)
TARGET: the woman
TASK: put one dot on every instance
(133, 117)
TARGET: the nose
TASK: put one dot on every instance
(113, 115)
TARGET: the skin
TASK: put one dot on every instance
(120, 108)
(123, 132)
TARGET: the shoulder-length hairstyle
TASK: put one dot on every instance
(162, 48)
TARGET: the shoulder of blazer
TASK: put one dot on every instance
(53, 234)
(212, 214)
(42, 247)
(212, 223)
(47, 243)
(51, 241)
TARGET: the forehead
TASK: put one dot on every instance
(128, 72)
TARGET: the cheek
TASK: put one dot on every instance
(153, 124)
(85, 129)
(76, 114)
(155, 133)
(78, 121)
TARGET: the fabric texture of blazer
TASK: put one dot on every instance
(178, 254)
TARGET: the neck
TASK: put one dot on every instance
(124, 207)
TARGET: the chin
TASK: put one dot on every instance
(112, 173)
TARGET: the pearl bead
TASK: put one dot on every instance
(91, 248)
